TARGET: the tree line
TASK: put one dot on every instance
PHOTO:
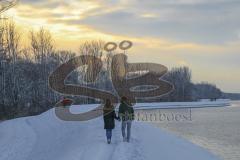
(24, 73)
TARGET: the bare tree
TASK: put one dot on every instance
(12, 51)
(181, 79)
(93, 48)
(41, 44)
(12, 37)
(42, 48)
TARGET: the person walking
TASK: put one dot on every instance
(109, 117)
(126, 114)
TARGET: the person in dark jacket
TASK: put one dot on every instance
(108, 116)
(126, 114)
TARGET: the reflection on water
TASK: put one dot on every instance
(216, 129)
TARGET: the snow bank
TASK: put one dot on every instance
(165, 105)
(45, 137)
(201, 104)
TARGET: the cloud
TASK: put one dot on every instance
(213, 22)
(188, 22)
(198, 21)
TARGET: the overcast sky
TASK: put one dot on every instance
(201, 34)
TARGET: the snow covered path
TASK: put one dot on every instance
(45, 137)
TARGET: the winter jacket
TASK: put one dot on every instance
(108, 116)
(126, 112)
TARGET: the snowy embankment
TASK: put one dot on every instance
(174, 105)
(45, 137)
(200, 104)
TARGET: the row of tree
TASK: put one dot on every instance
(24, 73)
(186, 90)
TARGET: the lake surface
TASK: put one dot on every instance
(216, 129)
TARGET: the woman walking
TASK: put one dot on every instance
(108, 116)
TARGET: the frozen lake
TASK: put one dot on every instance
(216, 129)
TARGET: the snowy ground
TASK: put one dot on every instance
(45, 137)
(200, 104)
